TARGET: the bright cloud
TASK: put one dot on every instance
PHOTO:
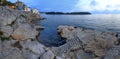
(97, 5)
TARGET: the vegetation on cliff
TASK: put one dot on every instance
(5, 3)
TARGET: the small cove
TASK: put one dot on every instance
(102, 22)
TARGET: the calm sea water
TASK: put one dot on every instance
(104, 22)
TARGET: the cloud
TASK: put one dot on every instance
(97, 5)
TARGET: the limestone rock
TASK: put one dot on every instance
(29, 50)
(8, 16)
(29, 55)
(9, 52)
(15, 24)
(91, 42)
(33, 46)
(66, 32)
(57, 57)
(24, 32)
(7, 30)
(48, 55)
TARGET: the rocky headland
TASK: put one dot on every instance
(18, 36)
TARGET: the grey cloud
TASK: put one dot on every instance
(93, 3)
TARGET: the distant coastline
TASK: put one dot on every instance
(68, 13)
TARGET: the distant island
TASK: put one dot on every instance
(69, 13)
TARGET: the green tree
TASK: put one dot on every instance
(5, 3)
(3, 0)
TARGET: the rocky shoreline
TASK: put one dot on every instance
(88, 44)
(18, 36)
(18, 40)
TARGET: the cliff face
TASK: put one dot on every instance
(88, 44)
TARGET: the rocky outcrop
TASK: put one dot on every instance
(23, 31)
(26, 49)
(16, 24)
(18, 36)
(7, 30)
(87, 44)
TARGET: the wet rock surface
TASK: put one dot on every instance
(87, 44)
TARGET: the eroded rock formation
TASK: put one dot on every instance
(87, 44)
(18, 36)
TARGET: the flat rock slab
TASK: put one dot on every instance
(94, 43)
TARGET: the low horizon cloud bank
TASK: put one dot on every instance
(97, 5)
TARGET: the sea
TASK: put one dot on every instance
(102, 22)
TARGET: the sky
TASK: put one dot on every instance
(93, 6)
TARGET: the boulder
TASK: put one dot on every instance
(29, 55)
(48, 55)
(6, 30)
(65, 31)
(7, 51)
(27, 49)
(57, 57)
(8, 16)
(33, 46)
(23, 30)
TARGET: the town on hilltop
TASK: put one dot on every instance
(19, 5)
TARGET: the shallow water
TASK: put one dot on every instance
(103, 22)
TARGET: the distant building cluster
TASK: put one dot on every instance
(18, 5)
(21, 6)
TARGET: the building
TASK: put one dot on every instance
(19, 5)
(27, 9)
(12, 6)
(35, 11)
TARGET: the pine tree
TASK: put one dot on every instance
(5, 3)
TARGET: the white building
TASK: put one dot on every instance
(27, 9)
(35, 11)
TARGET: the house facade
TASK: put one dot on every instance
(20, 5)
